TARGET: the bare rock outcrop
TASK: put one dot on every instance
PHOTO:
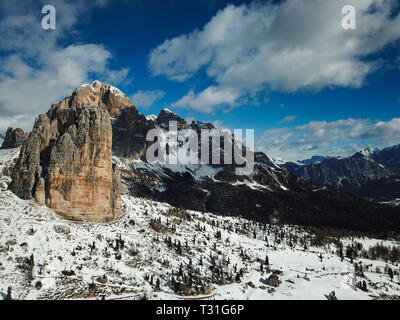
(95, 94)
(273, 280)
(129, 127)
(14, 138)
(65, 162)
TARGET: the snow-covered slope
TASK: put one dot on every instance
(7, 158)
(121, 258)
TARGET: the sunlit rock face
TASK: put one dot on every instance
(65, 162)
(96, 94)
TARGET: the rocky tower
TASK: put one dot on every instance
(65, 162)
(14, 138)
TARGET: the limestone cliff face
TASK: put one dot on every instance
(129, 127)
(65, 162)
(28, 169)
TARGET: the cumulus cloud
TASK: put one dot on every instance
(289, 46)
(341, 137)
(206, 100)
(39, 66)
(146, 99)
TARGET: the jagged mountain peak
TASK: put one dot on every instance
(365, 153)
(313, 159)
(14, 138)
(97, 86)
(166, 110)
(166, 115)
(95, 94)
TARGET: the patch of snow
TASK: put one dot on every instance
(152, 117)
(167, 110)
(367, 152)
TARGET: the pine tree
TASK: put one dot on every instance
(30, 267)
(364, 286)
(390, 273)
(8, 296)
(237, 278)
(180, 270)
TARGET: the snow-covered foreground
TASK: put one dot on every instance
(127, 259)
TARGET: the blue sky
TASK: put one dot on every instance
(285, 68)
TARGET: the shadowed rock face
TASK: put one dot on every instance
(14, 138)
(28, 169)
(66, 162)
(165, 116)
(129, 134)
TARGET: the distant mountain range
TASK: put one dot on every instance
(370, 173)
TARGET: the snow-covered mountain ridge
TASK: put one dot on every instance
(370, 173)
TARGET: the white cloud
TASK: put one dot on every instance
(289, 46)
(206, 100)
(218, 124)
(341, 137)
(146, 99)
(39, 66)
(287, 119)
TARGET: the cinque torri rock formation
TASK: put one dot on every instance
(66, 163)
